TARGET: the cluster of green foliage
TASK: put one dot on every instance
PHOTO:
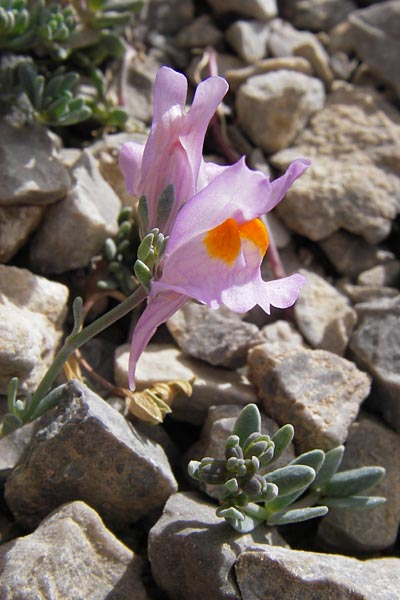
(53, 57)
(302, 490)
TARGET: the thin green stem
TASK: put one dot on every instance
(76, 340)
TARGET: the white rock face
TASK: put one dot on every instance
(32, 313)
(274, 107)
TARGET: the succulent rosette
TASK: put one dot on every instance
(215, 236)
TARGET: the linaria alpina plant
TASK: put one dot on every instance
(304, 489)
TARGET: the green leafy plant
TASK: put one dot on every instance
(302, 490)
(64, 46)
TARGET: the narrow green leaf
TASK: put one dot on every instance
(291, 478)
(248, 422)
(354, 502)
(333, 459)
(12, 394)
(48, 402)
(282, 438)
(353, 481)
(297, 515)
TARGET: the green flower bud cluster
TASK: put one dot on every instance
(149, 254)
(302, 490)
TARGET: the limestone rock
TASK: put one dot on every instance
(278, 337)
(256, 9)
(12, 447)
(85, 450)
(169, 16)
(273, 108)
(316, 15)
(70, 555)
(236, 76)
(199, 33)
(137, 83)
(31, 171)
(287, 574)
(351, 254)
(316, 391)
(16, 225)
(356, 188)
(248, 39)
(218, 337)
(74, 229)
(386, 275)
(369, 443)
(32, 311)
(211, 385)
(375, 346)
(374, 33)
(323, 315)
(192, 551)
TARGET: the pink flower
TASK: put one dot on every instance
(216, 238)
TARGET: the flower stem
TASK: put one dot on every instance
(76, 340)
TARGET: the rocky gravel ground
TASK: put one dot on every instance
(97, 503)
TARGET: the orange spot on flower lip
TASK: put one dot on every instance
(224, 241)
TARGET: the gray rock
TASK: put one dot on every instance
(16, 225)
(278, 337)
(31, 171)
(192, 551)
(296, 95)
(374, 35)
(168, 16)
(285, 40)
(365, 293)
(137, 84)
(369, 443)
(218, 337)
(211, 385)
(248, 39)
(125, 478)
(343, 67)
(351, 254)
(333, 192)
(323, 315)
(74, 229)
(287, 574)
(316, 391)
(32, 314)
(197, 69)
(256, 9)
(12, 447)
(70, 555)
(375, 346)
(387, 275)
(316, 15)
(199, 33)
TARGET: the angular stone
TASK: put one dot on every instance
(201, 32)
(70, 555)
(125, 478)
(351, 254)
(192, 551)
(32, 311)
(318, 58)
(374, 33)
(369, 443)
(375, 346)
(211, 385)
(298, 97)
(316, 391)
(287, 574)
(218, 337)
(323, 315)
(281, 337)
(315, 15)
(333, 192)
(249, 39)
(256, 9)
(74, 229)
(31, 171)
(387, 275)
(364, 293)
(12, 447)
(16, 225)
(168, 16)
(137, 84)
